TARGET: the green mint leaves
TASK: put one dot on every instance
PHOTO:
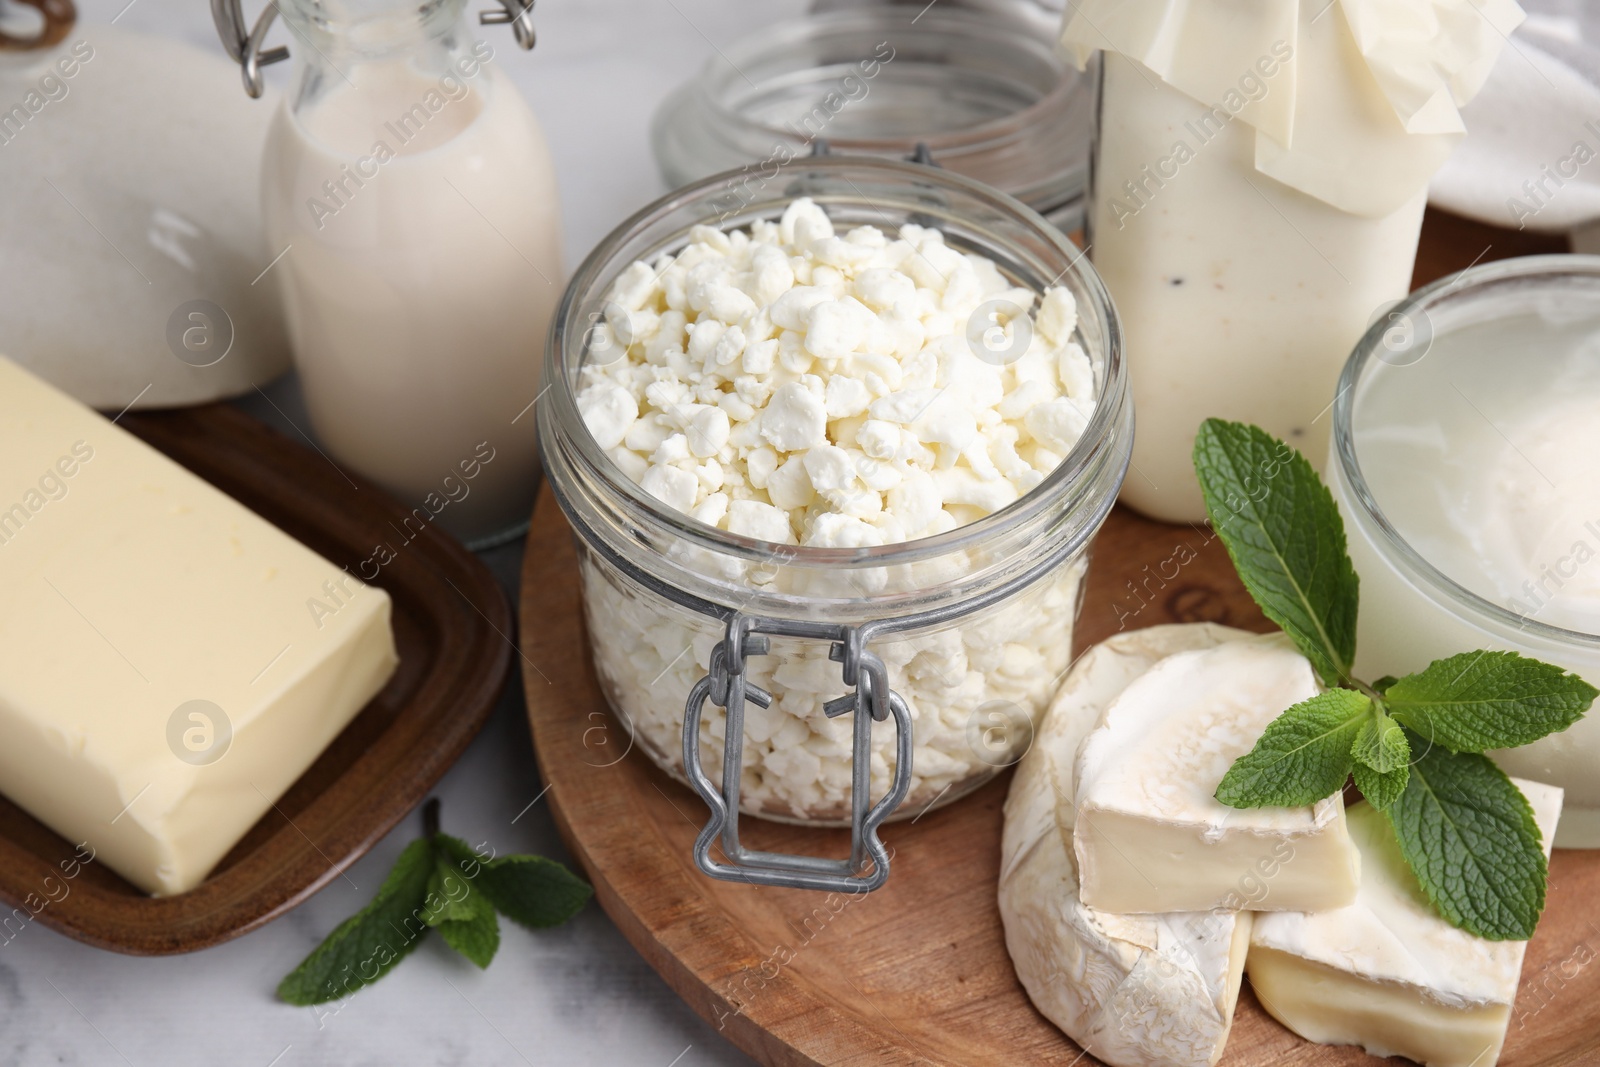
(1379, 788)
(1282, 530)
(1482, 700)
(1303, 756)
(464, 917)
(438, 883)
(534, 891)
(1381, 745)
(1413, 745)
(366, 946)
(1468, 835)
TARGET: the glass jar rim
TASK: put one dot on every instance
(708, 89)
(953, 20)
(1463, 285)
(1076, 469)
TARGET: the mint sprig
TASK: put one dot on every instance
(1414, 744)
(438, 883)
(1282, 529)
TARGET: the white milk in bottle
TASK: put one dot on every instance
(409, 191)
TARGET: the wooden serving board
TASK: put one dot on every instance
(450, 619)
(917, 972)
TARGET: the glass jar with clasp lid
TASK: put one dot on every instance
(859, 682)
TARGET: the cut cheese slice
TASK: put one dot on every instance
(1388, 973)
(169, 662)
(1150, 836)
(1134, 990)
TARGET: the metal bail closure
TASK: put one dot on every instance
(245, 47)
(517, 12)
(872, 700)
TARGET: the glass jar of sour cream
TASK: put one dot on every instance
(1466, 432)
(958, 637)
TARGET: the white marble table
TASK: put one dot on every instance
(578, 994)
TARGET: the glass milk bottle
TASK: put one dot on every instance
(408, 191)
(1256, 195)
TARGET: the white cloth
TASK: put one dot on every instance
(1532, 156)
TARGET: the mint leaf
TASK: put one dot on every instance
(477, 938)
(530, 890)
(461, 855)
(1302, 756)
(1381, 788)
(1468, 834)
(1381, 745)
(367, 945)
(1285, 537)
(450, 895)
(1382, 760)
(440, 883)
(1382, 684)
(461, 912)
(1481, 700)
(533, 891)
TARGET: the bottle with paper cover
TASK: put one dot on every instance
(1257, 195)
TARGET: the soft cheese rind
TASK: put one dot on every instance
(1150, 835)
(1387, 972)
(129, 588)
(1135, 990)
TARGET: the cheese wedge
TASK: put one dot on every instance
(1150, 836)
(1387, 973)
(169, 662)
(1134, 990)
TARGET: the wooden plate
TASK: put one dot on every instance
(918, 972)
(451, 622)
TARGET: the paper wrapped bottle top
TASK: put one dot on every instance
(1363, 103)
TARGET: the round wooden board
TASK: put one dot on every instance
(918, 971)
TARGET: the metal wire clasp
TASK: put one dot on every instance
(726, 686)
(517, 12)
(245, 46)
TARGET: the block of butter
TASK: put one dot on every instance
(170, 663)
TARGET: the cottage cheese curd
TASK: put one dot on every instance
(805, 387)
